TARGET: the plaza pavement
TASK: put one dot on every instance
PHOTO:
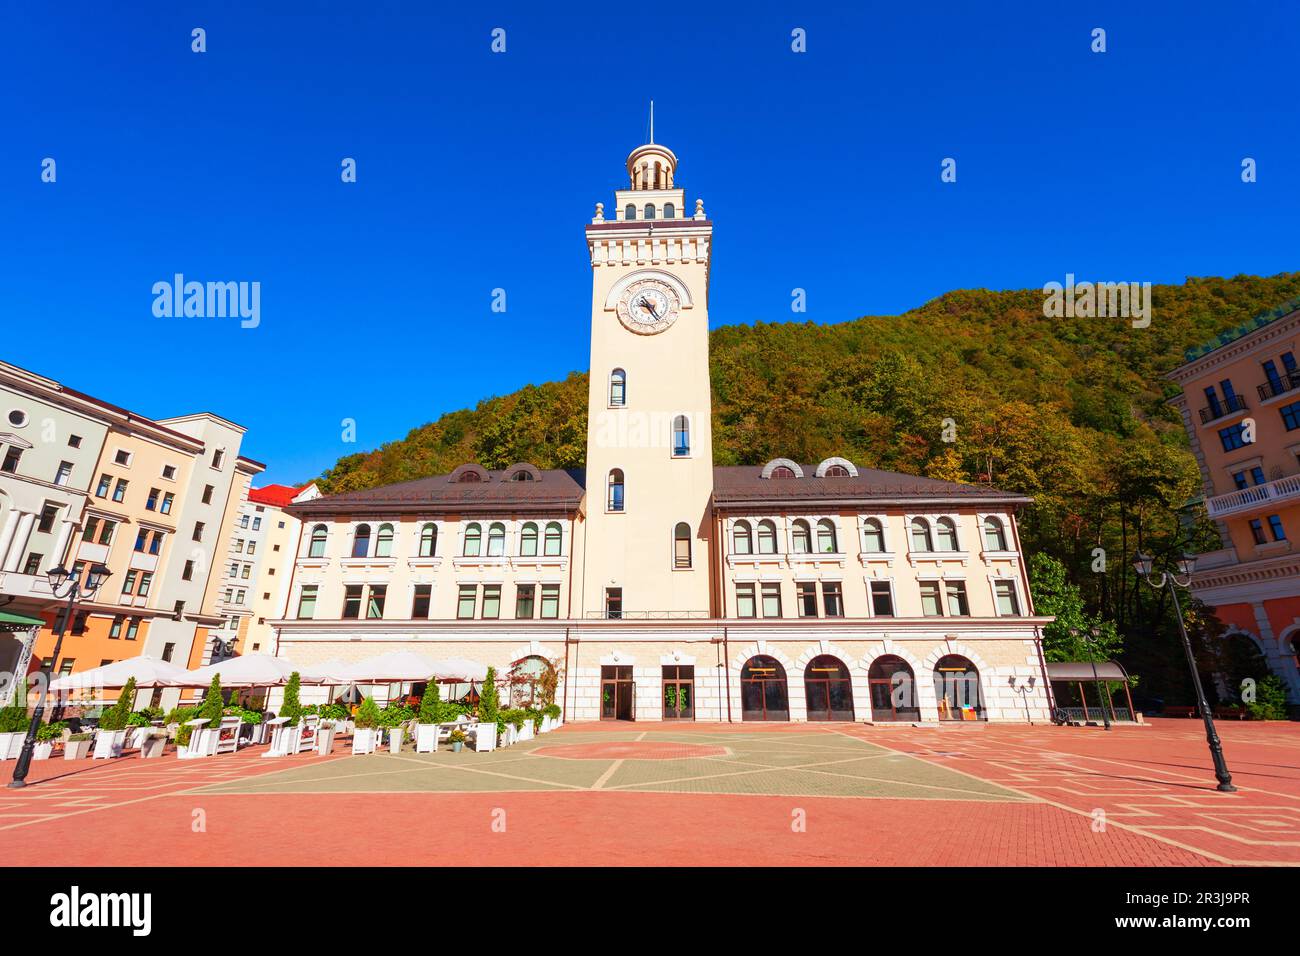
(690, 794)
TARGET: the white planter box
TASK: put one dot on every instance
(76, 749)
(325, 739)
(11, 745)
(363, 740)
(395, 740)
(426, 738)
(152, 747)
(42, 750)
(109, 743)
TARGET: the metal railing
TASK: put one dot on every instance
(1229, 406)
(1246, 499)
(1287, 382)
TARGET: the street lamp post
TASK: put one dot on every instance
(1186, 565)
(1023, 689)
(1094, 645)
(59, 578)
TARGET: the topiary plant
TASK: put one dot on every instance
(429, 702)
(368, 714)
(115, 718)
(212, 706)
(292, 706)
(489, 708)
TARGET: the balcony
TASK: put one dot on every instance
(1255, 498)
(1286, 382)
(1229, 406)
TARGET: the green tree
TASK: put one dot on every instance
(114, 718)
(368, 713)
(291, 706)
(1063, 639)
(212, 706)
(430, 703)
(488, 706)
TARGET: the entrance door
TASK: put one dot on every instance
(893, 690)
(829, 689)
(617, 693)
(763, 694)
(679, 692)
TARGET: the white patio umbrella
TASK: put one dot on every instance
(459, 669)
(147, 671)
(248, 670)
(392, 667)
(326, 672)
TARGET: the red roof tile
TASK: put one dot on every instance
(277, 495)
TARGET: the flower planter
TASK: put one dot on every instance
(109, 743)
(325, 739)
(76, 749)
(152, 746)
(426, 738)
(395, 740)
(42, 750)
(457, 746)
(363, 740)
(11, 745)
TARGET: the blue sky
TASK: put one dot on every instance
(478, 171)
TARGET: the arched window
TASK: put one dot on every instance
(957, 688)
(782, 471)
(828, 688)
(649, 210)
(522, 475)
(615, 501)
(893, 689)
(766, 537)
(526, 682)
(947, 534)
(742, 538)
(670, 211)
(319, 535)
(836, 471)
(995, 536)
(469, 476)
(528, 540)
(384, 541)
(428, 540)
(618, 388)
(682, 545)
(361, 541)
(473, 540)
(554, 537)
(496, 540)
(921, 540)
(629, 212)
(763, 691)
(873, 536)
(801, 537)
(826, 543)
(681, 436)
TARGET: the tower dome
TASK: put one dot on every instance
(651, 166)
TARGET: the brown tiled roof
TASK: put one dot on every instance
(556, 491)
(745, 484)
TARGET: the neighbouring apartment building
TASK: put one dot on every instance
(660, 586)
(1241, 408)
(85, 482)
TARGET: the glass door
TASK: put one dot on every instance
(617, 693)
(679, 692)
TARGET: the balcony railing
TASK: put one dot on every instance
(1287, 382)
(1251, 499)
(1230, 405)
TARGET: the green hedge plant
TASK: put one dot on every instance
(117, 716)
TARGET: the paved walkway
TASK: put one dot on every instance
(647, 794)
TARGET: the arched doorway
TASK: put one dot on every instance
(893, 689)
(763, 692)
(957, 689)
(829, 689)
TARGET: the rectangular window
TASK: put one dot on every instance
(252, 547)
(188, 573)
(64, 473)
(142, 540)
(423, 600)
(79, 622)
(218, 457)
(12, 457)
(33, 565)
(119, 490)
(1008, 602)
(239, 596)
(245, 571)
(92, 525)
(105, 482)
(207, 494)
(745, 600)
(614, 603)
(168, 651)
(525, 595)
(48, 515)
(307, 601)
(74, 441)
(243, 521)
(882, 599)
(106, 532)
(1257, 531)
(957, 603)
(151, 503)
(772, 600)
(132, 628)
(466, 601)
(1231, 437)
(198, 531)
(378, 594)
(352, 601)
(1291, 416)
(806, 598)
(168, 498)
(115, 630)
(169, 472)
(1275, 526)
(491, 602)
(146, 580)
(122, 457)
(832, 599)
(930, 606)
(550, 600)
(257, 524)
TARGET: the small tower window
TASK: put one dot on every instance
(681, 437)
(682, 545)
(670, 211)
(649, 210)
(629, 212)
(615, 502)
(618, 387)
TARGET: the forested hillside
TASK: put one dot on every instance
(1072, 411)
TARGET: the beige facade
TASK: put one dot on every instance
(783, 591)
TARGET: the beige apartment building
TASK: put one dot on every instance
(1241, 408)
(153, 501)
(660, 586)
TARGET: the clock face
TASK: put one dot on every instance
(648, 306)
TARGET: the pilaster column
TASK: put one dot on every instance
(19, 543)
(61, 544)
(7, 533)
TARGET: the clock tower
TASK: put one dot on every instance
(649, 431)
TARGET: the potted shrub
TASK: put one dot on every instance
(367, 721)
(13, 729)
(113, 723)
(77, 746)
(46, 734)
(457, 740)
(391, 719)
(426, 729)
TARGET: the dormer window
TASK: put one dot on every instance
(782, 471)
(469, 477)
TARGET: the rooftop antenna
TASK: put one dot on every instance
(652, 121)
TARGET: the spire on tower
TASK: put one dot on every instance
(652, 121)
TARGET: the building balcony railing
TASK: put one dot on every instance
(1254, 498)
(1287, 382)
(1229, 406)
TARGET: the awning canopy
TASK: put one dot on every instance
(1082, 671)
(147, 671)
(9, 621)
